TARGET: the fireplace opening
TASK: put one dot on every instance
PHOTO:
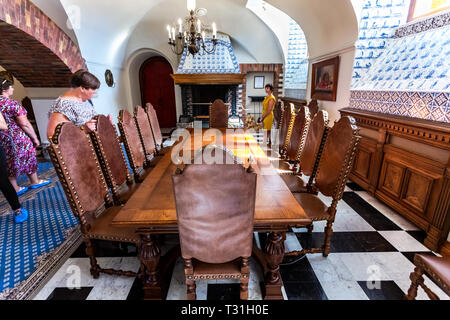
(197, 99)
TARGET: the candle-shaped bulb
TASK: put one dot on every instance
(180, 25)
(199, 26)
(214, 29)
(191, 5)
(170, 34)
(173, 33)
(203, 35)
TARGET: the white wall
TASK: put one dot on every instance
(344, 81)
(109, 100)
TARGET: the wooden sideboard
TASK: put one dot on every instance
(405, 163)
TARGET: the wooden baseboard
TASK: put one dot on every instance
(445, 249)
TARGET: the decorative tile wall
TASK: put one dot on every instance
(408, 73)
(423, 105)
(222, 60)
(379, 20)
(297, 63)
(414, 62)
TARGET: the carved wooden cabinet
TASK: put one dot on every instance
(405, 163)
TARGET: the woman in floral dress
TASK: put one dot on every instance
(20, 140)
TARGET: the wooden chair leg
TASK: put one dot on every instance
(310, 228)
(95, 268)
(327, 241)
(190, 283)
(191, 290)
(416, 279)
(244, 289)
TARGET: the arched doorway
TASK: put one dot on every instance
(157, 87)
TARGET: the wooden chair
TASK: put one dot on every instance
(79, 172)
(309, 157)
(296, 142)
(313, 107)
(436, 268)
(112, 160)
(146, 135)
(156, 129)
(334, 167)
(218, 115)
(133, 145)
(285, 130)
(215, 222)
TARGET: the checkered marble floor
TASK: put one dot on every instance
(372, 252)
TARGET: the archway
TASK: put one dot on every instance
(157, 87)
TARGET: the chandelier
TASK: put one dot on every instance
(192, 33)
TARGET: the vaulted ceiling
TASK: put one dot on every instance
(111, 31)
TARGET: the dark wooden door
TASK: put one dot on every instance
(157, 87)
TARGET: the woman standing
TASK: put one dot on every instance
(20, 215)
(75, 105)
(19, 142)
(268, 105)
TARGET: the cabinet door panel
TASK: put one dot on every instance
(417, 188)
(392, 179)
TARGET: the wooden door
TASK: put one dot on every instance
(157, 87)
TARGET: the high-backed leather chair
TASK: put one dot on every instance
(296, 142)
(313, 107)
(215, 222)
(133, 145)
(334, 167)
(156, 129)
(309, 157)
(79, 172)
(286, 124)
(437, 268)
(112, 160)
(218, 115)
(145, 133)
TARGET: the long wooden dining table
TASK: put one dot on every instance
(151, 210)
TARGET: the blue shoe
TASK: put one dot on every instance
(22, 190)
(41, 184)
(22, 217)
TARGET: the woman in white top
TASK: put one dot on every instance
(75, 105)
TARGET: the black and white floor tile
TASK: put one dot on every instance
(371, 259)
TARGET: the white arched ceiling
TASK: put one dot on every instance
(232, 18)
(55, 11)
(329, 25)
(106, 26)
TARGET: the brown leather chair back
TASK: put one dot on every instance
(314, 140)
(277, 112)
(298, 135)
(110, 153)
(313, 107)
(337, 157)
(287, 122)
(215, 209)
(145, 130)
(218, 115)
(79, 171)
(153, 118)
(131, 140)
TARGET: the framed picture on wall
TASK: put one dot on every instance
(325, 79)
(259, 82)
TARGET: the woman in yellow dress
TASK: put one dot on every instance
(268, 106)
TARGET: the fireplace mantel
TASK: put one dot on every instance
(209, 78)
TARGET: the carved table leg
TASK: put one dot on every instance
(149, 254)
(274, 254)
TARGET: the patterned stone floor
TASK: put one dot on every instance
(371, 259)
